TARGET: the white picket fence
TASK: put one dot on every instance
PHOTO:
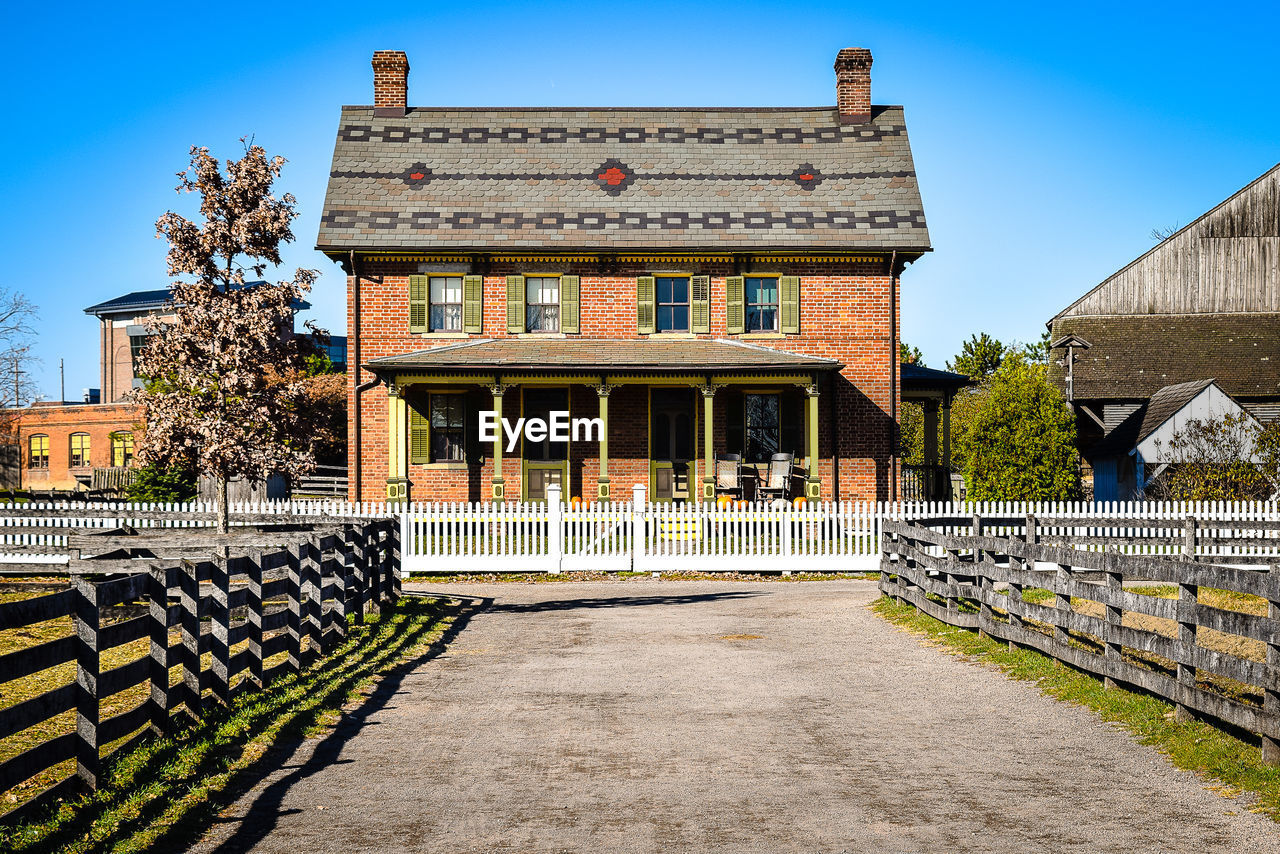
(36, 532)
(445, 538)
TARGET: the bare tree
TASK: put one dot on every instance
(1162, 234)
(16, 385)
(225, 392)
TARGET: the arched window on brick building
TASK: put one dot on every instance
(121, 449)
(80, 450)
(38, 451)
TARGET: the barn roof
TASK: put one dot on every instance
(620, 177)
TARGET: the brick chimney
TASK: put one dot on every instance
(390, 82)
(853, 85)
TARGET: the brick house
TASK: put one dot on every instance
(702, 280)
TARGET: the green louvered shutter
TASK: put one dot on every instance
(789, 303)
(419, 437)
(418, 288)
(700, 304)
(473, 304)
(644, 304)
(569, 304)
(735, 308)
(515, 304)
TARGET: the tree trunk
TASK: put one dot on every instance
(224, 509)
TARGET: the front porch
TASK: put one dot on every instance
(647, 421)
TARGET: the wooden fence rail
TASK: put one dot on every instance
(1217, 662)
(291, 600)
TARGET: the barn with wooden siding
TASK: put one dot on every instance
(1203, 304)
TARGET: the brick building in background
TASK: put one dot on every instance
(704, 280)
(61, 444)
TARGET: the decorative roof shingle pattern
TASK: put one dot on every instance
(713, 178)
(696, 354)
(1134, 357)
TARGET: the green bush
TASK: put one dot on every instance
(161, 483)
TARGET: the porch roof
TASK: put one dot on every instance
(595, 354)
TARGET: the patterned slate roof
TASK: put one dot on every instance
(547, 178)
(684, 355)
(1134, 357)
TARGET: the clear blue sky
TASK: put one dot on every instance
(1049, 138)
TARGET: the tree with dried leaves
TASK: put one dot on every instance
(16, 387)
(1231, 458)
(225, 390)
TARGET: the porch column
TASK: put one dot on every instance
(708, 446)
(397, 446)
(813, 484)
(602, 482)
(946, 432)
(930, 432)
(497, 489)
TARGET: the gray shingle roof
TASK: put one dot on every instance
(709, 178)
(682, 355)
(1134, 357)
(139, 301)
(1146, 419)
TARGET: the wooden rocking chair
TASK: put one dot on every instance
(729, 475)
(777, 481)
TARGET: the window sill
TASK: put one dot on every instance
(540, 335)
(452, 466)
(672, 335)
(762, 336)
(443, 334)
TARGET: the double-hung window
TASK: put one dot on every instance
(763, 426)
(121, 449)
(542, 303)
(38, 452)
(448, 428)
(79, 450)
(761, 303)
(446, 303)
(672, 301)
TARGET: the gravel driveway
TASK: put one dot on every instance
(645, 716)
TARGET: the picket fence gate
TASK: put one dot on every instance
(639, 536)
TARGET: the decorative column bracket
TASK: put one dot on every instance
(603, 390)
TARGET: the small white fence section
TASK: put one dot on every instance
(449, 538)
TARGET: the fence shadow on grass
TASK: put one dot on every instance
(171, 819)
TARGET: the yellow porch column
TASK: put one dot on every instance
(813, 484)
(397, 446)
(602, 481)
(498, 488)
(708, 445)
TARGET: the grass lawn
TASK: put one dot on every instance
(166, 792)
(1236, 766)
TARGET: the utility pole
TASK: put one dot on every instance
(62, 383)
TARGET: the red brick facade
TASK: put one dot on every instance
(845, 314)
(58, 423)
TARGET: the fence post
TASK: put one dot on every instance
(1271, 696)
(1015, 609)
(294, 588)
(1062, 605)
(220, 620)
(332, 593)
(312, 588)
(555, 529)
(158, 670)
(1189, 538)
(395, 561)
(983, 582)
(357, 549)
(88, 668)
(256, 609)
(1188, 599)
(192, 612)
(1112, 652)
(638, 502)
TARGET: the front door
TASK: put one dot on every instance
(545, 462)
(671, 443)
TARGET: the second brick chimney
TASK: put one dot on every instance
(853, 85)
(390, 82)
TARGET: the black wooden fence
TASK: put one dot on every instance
(954, 577)
(293, 599)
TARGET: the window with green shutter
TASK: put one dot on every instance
(570, 304)
(735, 310)
(644, 304)
(790, 303)
(418, 286)
(700, 304)
(419, 437)
(473, 304)
(515, 304)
